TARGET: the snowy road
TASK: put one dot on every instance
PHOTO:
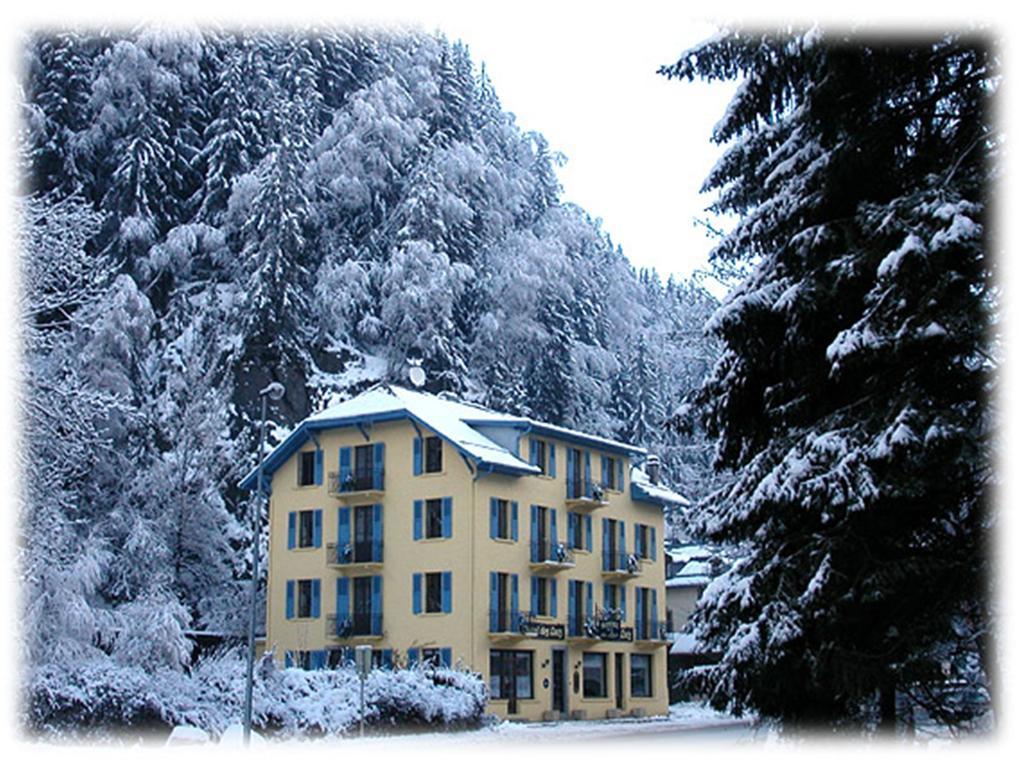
(685, 722)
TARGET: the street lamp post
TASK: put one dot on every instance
(274, 391)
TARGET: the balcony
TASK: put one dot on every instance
(507, 625)
(651, 631)
(619, 566)
(547, 555)
(605, 624)
(360, 625)
(362, 556)
(584, 495)
(361, 485)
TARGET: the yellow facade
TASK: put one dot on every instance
(470, 555)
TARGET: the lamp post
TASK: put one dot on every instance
(275, 391)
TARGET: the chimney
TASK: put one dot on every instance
(653, 469)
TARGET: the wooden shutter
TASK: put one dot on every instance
(417, 455)
(445, 586)
(291, 530)
(446, 517)
(417, 519)
(417, 593)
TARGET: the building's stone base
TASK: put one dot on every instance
(637, 712)
(577, 714)
(611, 714)
(551, 715)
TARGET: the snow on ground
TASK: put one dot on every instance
(681, 717)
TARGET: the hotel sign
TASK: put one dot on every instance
(543, 631)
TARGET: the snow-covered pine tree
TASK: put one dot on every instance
(852, 393)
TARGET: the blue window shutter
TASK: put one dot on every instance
(494, 607)
(445, 657)
(533, 543)
(378, 466)
(344, 464)
(445, 590)
(387, 658)
(493, 518)
(413, 656)
(534, 588)
(571, 470)
(554, 525)
(344, 528)
(318, 467)
(317, 659)
(605, 543)
(572, 522)
(653, 543)
(289, 661)
(445, 521)
(291, 530)
(417, 519)
(316, 598)
(515, 521)
(586, 462)
(571, 600)
(417, 455)
(532, 452)
(621, 474)
(317, 527)
(639, 608)
(653, 606)
(417, 593)
(604, 475)
(514, 595)
(589, 598)
(378, 533)
(552, 467)
(637, 535)
(589, 533)
(341, 600)
(607, 596)
(289, 600)
(621, 538)
(621, 600)
(376, 605)
(554, 598)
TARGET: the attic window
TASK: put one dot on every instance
(307, 468)
(434, 454)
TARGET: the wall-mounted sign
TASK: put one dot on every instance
(543, 631)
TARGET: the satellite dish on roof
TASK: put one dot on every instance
(417, 376)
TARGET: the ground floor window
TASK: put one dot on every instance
(511, 674)
(642, 676)
(594, 675)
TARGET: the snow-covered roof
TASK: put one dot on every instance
(684, 643)
(645, 490)
(458, 423)
(686, 552)
(696, 573)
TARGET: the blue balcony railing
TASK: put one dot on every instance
(545, 551)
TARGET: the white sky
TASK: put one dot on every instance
(638, 145)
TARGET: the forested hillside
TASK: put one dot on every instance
(204, 212)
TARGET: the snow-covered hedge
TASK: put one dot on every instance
(104, 698)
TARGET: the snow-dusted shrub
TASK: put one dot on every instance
(100, 698)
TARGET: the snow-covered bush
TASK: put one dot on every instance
(99, 699)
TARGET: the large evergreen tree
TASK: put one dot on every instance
(852, 393)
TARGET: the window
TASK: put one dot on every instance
(642, 679)
(434, 592)
(305, 598)
(305, 528)
(541, 455)
(576, 534)
(307, 468)
(434, 519)
(434, 454)
(503, 519)
(302, 659)
(609, 473)
(594, 675)
(431, 657)
(643, 533)
(541, 589)
(511, 674)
